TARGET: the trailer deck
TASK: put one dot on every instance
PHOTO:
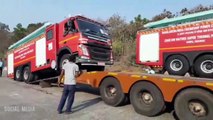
(191, 97)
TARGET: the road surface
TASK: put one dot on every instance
(20, 101)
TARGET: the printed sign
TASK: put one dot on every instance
(196, 34)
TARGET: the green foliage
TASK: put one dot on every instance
(136, 25)
(117, 49)
(164, 14)
(20, 32)
(4, 27)
(4, 38)
(199, 8)
(33, 26)
(131, 59)
(123, 35)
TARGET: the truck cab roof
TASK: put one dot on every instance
(83, 18)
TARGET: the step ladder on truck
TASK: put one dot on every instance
(191, 97)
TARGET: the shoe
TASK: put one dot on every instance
(68, 112)
(59, 112)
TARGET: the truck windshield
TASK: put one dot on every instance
(92, 28)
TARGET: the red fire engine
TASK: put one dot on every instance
(179, 45)
(48, 47)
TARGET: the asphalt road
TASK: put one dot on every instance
(20, 101)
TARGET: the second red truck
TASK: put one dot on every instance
(179, 45)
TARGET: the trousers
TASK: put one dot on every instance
(69, 95)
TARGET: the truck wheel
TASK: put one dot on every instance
(146, 99)
(111, 92)
(177, 65)
(27, 75)
(63, 59)
(194, 104)
(203, 66)
(18, 74)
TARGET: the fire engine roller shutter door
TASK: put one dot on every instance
(41, 52)
(149, 47)
(10, 62)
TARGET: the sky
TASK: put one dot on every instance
(25, 12)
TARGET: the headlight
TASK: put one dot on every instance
(84, 50)
(109, 42)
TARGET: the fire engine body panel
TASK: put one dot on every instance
(149, 92)
(175, 46)
(25, 51)
(48, 48)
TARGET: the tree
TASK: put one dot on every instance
(4, 38)
(184, 11)
(19, 32)
(32, 27)
(117, 29)
(4, 27)
(199, 8)
(163, 15)
(137, 24)
(123, 35)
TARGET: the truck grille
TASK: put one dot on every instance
(100, 54)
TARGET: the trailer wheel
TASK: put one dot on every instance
(177, 65)
(18, 74)
(204, 66)
(194, 104)
(111, 92)
(27, 75)
(146, 99)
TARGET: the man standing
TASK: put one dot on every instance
(1, 66)
(70, 71)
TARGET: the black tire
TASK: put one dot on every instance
(188, 98)
(18, 74)
(108, 86)
(203, 66)
(27, 75)
(146, 99)
(64, 58)
(177, 65)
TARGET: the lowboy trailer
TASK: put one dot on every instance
(191, 97)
